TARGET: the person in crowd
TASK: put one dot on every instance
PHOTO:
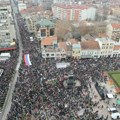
(35, 98)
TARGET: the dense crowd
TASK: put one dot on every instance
(34, 97)
(8, 67)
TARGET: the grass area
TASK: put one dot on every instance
(115, 75)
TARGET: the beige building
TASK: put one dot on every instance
(76, 51)
(115, 11)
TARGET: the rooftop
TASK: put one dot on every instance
(44, 23)
(76, 46)
(104, 39)
(117, 47)
(49, 40)
(116, 25)
(90, 44)
(62, 45)
(73, 6)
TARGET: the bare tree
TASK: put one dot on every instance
(63, 29)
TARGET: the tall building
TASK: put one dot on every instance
(7, 29)
(74, 12)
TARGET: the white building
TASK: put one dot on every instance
(106, 46)
(88, 14)
(74, 12)
(22, 6)
(90, 49)
(7, 28)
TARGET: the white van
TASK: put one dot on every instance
(115, 116)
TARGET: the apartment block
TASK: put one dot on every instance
(73, 12)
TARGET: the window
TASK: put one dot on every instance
(51, 31)
(47, 55)
(43, 32)
(52, 54)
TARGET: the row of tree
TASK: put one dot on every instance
(65, 29)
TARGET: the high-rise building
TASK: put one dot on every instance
(74, 12)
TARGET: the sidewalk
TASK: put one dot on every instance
(101, 111)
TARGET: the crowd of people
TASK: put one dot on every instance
(35, 98)
(8, 67)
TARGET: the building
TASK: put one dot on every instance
(115, 11)
(90, 49)
(22, 6)
(46, 4)
(113, 31)
(63, 48)
(7, 28)
(74, 12)
(49, 48)
(116, 51)
(44, 28)
(76, 51)
(106, 46)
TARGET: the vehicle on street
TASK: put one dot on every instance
(115, 116)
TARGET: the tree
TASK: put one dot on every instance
(62, 29)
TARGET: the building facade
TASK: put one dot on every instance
(22, 6)
(50, 48)
(113, 31)
(7, 28)
(76, 51)
(106, 46)
(74, 12)
(90, 49)
(44, 28)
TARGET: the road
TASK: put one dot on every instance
(8, 101)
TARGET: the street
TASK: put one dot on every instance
(8, 102)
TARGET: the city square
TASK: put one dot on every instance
(59, 60)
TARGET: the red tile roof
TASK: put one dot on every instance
(117, 47)
(31, 10)
(116, 25)
(62, 45)
(90, 44)
(74, 6)
(48, 40)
